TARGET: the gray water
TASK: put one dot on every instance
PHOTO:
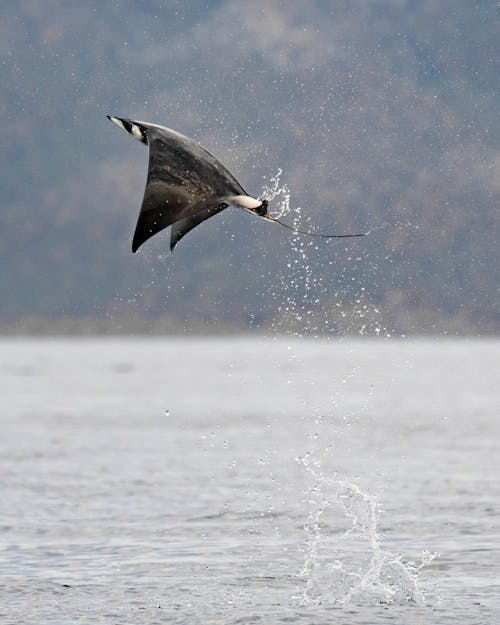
(249, 481)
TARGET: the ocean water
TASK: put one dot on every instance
(260, 480)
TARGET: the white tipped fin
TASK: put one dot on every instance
(133, 128)
(117, 121)
(245, 201)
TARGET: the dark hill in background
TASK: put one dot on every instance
(380, 114)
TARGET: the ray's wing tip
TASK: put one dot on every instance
(118, 121)
(115, 120)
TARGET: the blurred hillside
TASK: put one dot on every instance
(381, 114)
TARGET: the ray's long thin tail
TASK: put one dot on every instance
(313, 234)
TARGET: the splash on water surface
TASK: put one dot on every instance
(348, 564)
(344, 559)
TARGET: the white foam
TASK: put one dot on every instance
(376, 574)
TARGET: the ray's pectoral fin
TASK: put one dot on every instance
(161, 207)
(183, 226)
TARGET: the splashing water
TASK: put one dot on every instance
(296, 279)
(314, 297)
(350, 565)
(278, 195)
(344, 560)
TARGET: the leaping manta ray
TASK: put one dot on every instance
(186, 185)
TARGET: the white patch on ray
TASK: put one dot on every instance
(136, 131)
(118, 122)
(245, 201)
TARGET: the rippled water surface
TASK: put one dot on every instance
(249, 481)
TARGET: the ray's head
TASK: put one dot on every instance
(262, 209)
(259, 207)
